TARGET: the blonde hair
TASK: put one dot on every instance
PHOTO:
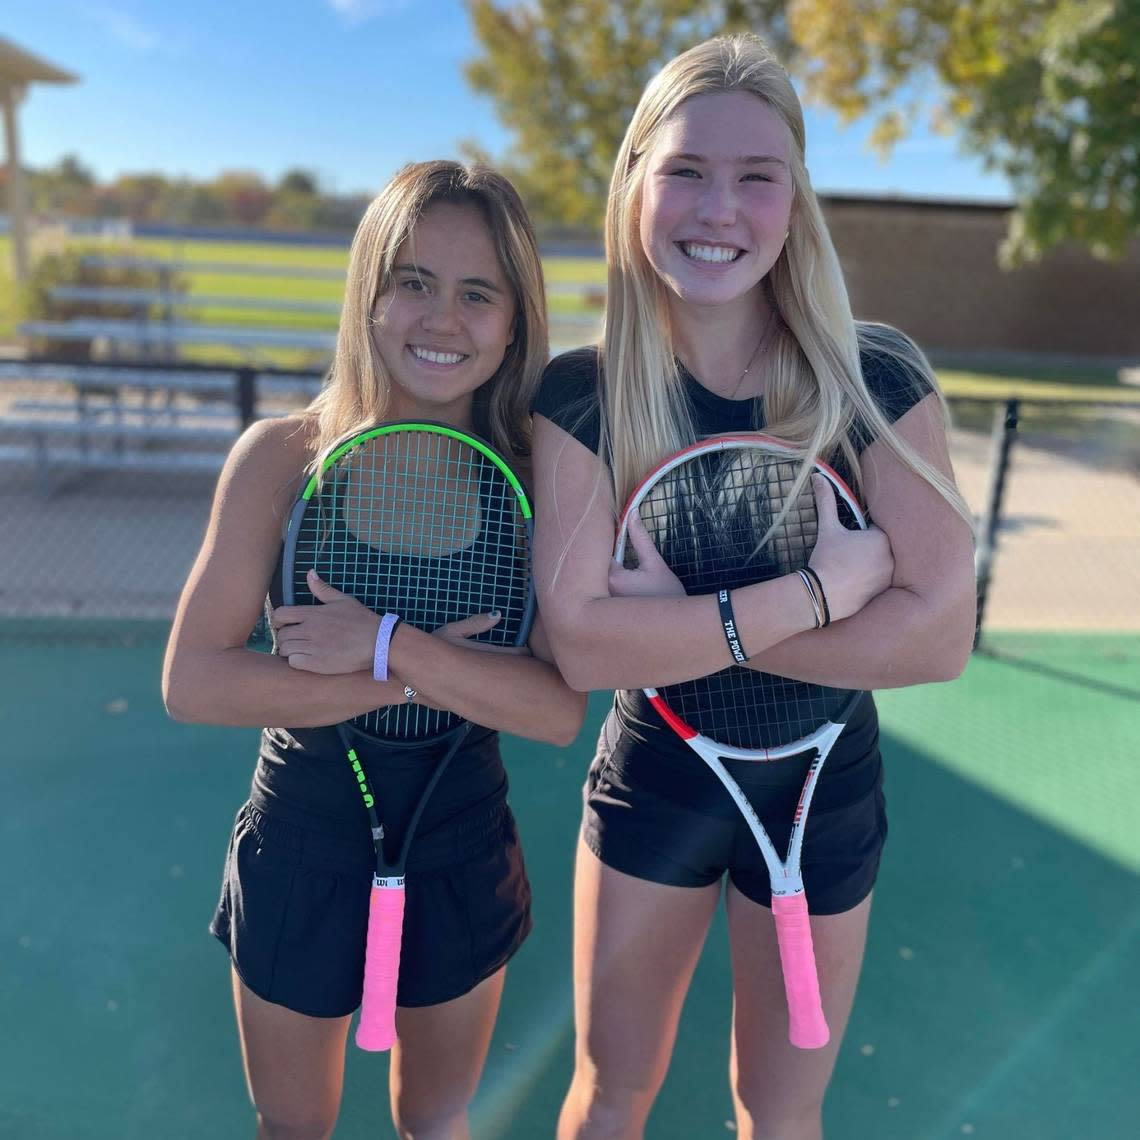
(814, 393)
(357, 389)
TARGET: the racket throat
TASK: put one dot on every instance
(787, 886)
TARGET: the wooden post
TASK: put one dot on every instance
(11, 95)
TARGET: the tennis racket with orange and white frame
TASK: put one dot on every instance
(725, 513)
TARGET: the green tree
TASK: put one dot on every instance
(293, 211)
(185, 202)
(565, 75)
(244, 195)
(298, 181)
(134, 196)
(1047, 92)
(66, 188)
(296, 202)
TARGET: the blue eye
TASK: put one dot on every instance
(480, 297)
(685, 172)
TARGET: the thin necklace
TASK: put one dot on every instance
(755, 352)
(751, 360)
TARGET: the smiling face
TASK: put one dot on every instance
(716, 198)
(444, 324)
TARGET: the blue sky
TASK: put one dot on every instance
(350, 89)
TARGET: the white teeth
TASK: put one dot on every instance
(709, 252)
(437, 357)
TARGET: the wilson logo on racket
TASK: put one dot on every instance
(360, 778)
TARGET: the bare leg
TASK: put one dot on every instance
(294, 1067)
(778, 1089)
(636, 944)
(438, 1059)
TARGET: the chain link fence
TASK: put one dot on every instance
(109, 477)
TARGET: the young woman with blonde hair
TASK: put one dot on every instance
(727, 312)
(443, 319)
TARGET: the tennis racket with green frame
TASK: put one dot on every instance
(429, 522)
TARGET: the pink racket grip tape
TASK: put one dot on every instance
(377, 1029)
(807, 1028)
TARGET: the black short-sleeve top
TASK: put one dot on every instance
(569, 397)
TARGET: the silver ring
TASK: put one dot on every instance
(409, 693)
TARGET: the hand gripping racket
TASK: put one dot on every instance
(428, 522)
(722, 515)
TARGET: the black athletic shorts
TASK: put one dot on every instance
(294, 909)
(659, 813)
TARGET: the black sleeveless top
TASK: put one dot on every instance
(302, 774)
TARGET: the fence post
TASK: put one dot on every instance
(245, 395)
(1005, 428)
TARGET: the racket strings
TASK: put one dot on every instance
(425, 526)
(725, 519)
(729, 513)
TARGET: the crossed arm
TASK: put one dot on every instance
(915, 625)
(210, 677)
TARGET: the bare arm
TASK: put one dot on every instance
(921, 628)
(210, 676)
(526, 693)
(515, 690)
(601, 641)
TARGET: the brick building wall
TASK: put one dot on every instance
(930, 267)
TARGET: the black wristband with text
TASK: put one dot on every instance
(728, 621)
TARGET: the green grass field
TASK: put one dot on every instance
(986, 382)
(559, 271)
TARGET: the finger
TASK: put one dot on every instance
(618, 581)
(626, 583)
(642, 544)
(286, 615)
(290, 643)
(825, 507)
(321, 590)
(476, 623)
(302, 661)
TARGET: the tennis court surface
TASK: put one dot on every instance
(998, 998)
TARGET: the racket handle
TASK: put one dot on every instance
(807, 1028)
(377, 1029)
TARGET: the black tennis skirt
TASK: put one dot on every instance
(294, 908)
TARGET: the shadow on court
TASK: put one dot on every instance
(995, 1002)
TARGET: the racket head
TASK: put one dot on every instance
(423, 520)
(728, 512)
